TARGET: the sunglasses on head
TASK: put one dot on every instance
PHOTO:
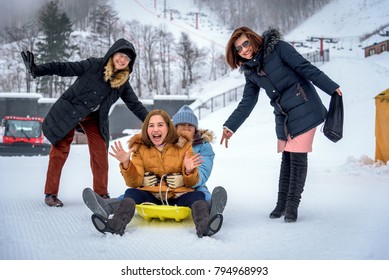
(245, 44)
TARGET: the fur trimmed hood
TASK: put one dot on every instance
(271, 37)
(121, 45)
(118, 78)
(204, 135)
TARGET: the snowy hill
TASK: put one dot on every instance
(343, 214)
(152, 13)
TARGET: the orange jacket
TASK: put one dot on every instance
(150, 159)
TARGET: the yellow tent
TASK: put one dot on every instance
(382, 126)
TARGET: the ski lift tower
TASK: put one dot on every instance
(321, 39)
(197, 14)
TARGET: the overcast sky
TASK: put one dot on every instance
(11, 9)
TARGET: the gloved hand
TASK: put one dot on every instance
(149, 179)
(28, 59)
(175, 180)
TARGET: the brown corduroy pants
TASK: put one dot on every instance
(98, 157)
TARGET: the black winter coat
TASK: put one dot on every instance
(89, 91)
(287, 78)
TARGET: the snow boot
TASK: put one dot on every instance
(120, 219)
(283, 187)
(299, 168)
(53, 201)
(99, 205)
(200, 217)
(101, 224)
(218, 203)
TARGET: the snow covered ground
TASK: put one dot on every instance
(342, 217)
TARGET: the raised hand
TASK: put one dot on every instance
(120, 154)
(192, 162)
(28, 59)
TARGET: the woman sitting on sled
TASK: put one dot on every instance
(161, 151)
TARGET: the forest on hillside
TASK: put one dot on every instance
(62, 30)
(285, 14)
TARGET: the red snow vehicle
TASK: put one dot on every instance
(23, 136)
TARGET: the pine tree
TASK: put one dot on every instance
(55, 46)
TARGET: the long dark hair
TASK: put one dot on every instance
(234, 60)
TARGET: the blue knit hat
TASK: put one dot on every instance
(185, 115)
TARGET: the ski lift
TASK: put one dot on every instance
(311, 39)
(331, 41)
(384, 33)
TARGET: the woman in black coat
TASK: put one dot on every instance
(99, 84)
(274, 65)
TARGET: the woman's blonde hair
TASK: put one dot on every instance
(234, 60)
(171, 137)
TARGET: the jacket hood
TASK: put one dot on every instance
(271, 37)
(203, 135)
(124, 46)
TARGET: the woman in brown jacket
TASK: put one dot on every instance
(158, 151)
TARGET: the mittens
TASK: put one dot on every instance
(149, 179)
(175, 180)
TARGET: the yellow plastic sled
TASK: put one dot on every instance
(163, 212)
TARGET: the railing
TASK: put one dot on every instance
(316, 57)
(218, 102)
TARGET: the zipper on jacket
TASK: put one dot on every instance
(278, 103)
(282, 112)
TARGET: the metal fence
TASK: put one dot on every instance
(317, 57)
(218, 101)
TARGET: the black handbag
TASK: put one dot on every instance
(333, 125)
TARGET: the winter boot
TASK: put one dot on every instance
(218, 203)
(298, 174)
(53, 201)
(200, 217)
(99, 205)
(120, 219)
(283, 187)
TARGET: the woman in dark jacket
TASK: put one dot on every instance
(100, 83)
(274, 65)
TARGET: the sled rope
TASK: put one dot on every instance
(160, 191)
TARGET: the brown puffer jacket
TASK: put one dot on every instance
(150, 159)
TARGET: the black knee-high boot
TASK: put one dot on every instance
(283, 187)
(298, 174)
